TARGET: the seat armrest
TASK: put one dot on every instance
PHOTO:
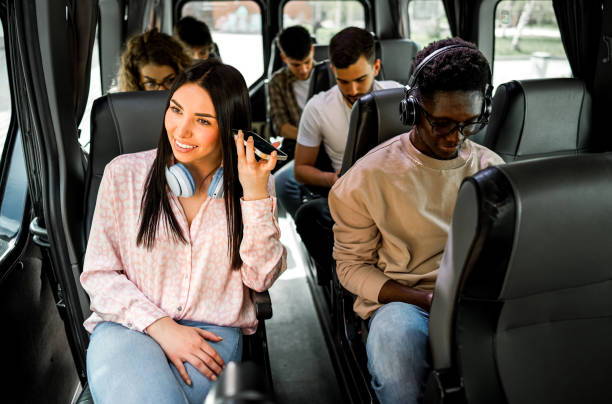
(263, 304)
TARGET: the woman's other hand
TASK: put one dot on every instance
(182, 344)
(253, 174)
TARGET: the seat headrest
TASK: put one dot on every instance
(121, 123)
(322, 78)
(397, 56)
(535, 118)
(374, 119)
(563, 222)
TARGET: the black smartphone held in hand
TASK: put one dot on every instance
(263, 148)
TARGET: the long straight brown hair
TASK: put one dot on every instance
(230, 96)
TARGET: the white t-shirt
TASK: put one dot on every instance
(326, 119)
(300, 91)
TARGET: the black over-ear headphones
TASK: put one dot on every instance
(409, 106)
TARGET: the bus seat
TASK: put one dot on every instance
(374, 119)
(396, 55)
(537, 118)
(322, 78)
(522, 308)
(131, 122)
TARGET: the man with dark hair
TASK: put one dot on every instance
(195, 37)
(325, 123)
(325, 120)
(288, 88)
(392, 212)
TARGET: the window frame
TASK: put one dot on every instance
(488, 40)
(177, 14)
(10, 151)
(367, 9)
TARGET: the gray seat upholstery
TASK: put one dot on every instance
(374, 119)
(522, 309)
(397, 56)
(537, 118)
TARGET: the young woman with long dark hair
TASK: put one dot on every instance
(169, 276)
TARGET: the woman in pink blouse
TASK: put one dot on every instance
(169, 276)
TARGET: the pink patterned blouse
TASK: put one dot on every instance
(133, 286)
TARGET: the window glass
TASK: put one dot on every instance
(527, 42)
(428, 21)
(5, 93)
(15, 181)
(95, 91)
(324, 18)
(236, 29)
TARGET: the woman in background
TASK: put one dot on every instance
(151, 61)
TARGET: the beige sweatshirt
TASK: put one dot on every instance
(393, 210)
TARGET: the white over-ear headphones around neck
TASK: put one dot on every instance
(181, 182)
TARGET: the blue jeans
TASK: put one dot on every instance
(127, 366)
(288, 190)
(397, 349)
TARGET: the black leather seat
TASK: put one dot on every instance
(132, 122)
(397, 56)
(538, 118)
(522, 309)
(374, 119)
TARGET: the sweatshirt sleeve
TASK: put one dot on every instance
(264, 257)
(356, 242)
(113, 296)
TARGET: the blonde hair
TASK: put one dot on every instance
(149, 47)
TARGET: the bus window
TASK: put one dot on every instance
(5, 93)
(236, 28)
(324, 18)
(95, 91)
(428, 21)
(527, 42)
(13, 175)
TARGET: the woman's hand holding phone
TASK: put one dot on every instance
(253, 174)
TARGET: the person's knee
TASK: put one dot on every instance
(398, 335)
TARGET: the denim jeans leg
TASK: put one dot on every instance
(397, 352)
(230, 349)
(288, 190)
(127, 366)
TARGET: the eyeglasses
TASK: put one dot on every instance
(446, 127)
(166, 84)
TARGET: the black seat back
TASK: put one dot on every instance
(536, 118)
(121, 123)
(322, 78)
(522, 309)
(374, 119)
(397, 56)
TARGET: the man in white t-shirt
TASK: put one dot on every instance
(288, 87)
(324, 126)
(325, 119)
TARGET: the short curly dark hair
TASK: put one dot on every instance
(459, 69)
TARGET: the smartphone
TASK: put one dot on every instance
(263, 148)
